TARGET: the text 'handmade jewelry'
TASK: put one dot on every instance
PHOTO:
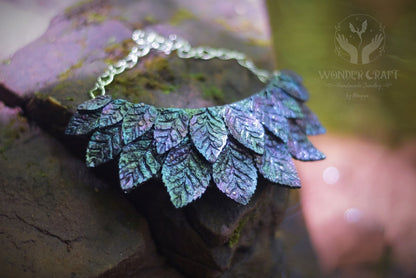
(188, 148)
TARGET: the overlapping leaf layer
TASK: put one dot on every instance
(188, 148)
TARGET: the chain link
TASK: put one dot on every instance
(147, 41)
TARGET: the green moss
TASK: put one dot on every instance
(235, 237)
(117, 51)
(70, 72)
(258, 42)
(76, 6)
(214, 93)
(180, 16)
(150, 19)
(95, 17)
(11, 132)
(197, 77)
(138, 85)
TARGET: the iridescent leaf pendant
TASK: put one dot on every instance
(189, 149)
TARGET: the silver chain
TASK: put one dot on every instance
(147, 41)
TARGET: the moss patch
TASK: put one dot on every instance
(139, 85)
(235, 237)
(213, 93)
(70, 72)
(180, 16)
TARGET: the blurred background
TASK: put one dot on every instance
(354, 216)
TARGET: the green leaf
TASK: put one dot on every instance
(105, 144)
(208, 132)
(171, 127)
(137, 121)
(95, 103)
(244, 127)
(234, 173)
(137, 163)
(83, 123)
(185, 174)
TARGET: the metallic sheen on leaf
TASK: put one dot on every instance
(83, 123)
(137, 163)
(276, 163)
(208, 133)
(310, 123)
(300, 147)
(105, 144)
(185, 173)
(95, 103)
(244, 127)
(291, 83)
(234, 173)
(114, 112)
(137, 121)
(171, 127)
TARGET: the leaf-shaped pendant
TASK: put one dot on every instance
(208, 133)
(105, 144)
(171, 127)
(291, 83)
(244, 127)
(137, 163)
(185, 173)
(310, 123)
(234, 173)
(95, 103)
(137, 121)
(276, 163)
(114, 112)
(266, 111)
(83, 122)
(300, 147)
(288, 106)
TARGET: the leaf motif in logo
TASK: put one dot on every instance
(137, 121)
(208, 133)
(171, 127)
(234, 173)
(185, 174)
(244, 127)
(137, 163)
(352, 28)
(364, 26)
(105, 144)
(276, 163)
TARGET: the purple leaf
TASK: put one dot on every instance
(234, 173)
(276, 163)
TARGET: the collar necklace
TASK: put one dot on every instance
(187, 148)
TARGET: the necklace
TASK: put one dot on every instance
(187, 148)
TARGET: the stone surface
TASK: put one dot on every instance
(60, 220)
(69, 214)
